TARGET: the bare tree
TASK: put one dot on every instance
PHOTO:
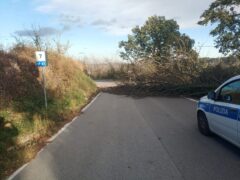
(36, 37)
(20, 42)
(60, 47)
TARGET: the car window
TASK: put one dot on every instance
(231, 93)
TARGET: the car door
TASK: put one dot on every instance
(225, 111)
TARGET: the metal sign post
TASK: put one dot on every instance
(44, 86)
(42, 62)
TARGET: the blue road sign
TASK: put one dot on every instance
(41, 63)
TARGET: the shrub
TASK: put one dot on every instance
(23, 118)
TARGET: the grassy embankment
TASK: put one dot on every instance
(24, 123)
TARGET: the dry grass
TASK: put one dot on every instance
(184, 74)
(104, 70)
(24, 122)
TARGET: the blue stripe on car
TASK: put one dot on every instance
(219, 110)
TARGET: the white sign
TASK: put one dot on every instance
(40, 56)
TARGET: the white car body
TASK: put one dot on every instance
(223, 117)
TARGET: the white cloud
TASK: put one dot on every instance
(42, 31)
(68, 20)
(126, 13)
(101, 22)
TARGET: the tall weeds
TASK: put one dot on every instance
(23, 119)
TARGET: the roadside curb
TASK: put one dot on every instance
(17, 171)
(61, 130)
(94, 99)
(74, 119)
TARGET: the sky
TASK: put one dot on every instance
(95, 27)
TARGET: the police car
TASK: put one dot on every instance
(218, 112)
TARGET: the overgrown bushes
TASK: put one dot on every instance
(105, 70)
(23, 118)
(160, 56)
(180, 76)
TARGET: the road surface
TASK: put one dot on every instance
(106, 83)
(125, 138)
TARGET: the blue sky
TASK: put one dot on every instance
(94, 28)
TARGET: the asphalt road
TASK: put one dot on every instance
(126, 138)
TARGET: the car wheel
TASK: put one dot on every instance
(203, 124)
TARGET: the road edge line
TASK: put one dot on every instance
(17, 172)
(61, 130)
(68, 124)
(94, 99)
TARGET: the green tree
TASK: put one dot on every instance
(226, 15)
(157, 39)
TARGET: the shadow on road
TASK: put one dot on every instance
(140, 91)
(227, 145)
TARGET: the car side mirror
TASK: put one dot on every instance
(212, 95)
